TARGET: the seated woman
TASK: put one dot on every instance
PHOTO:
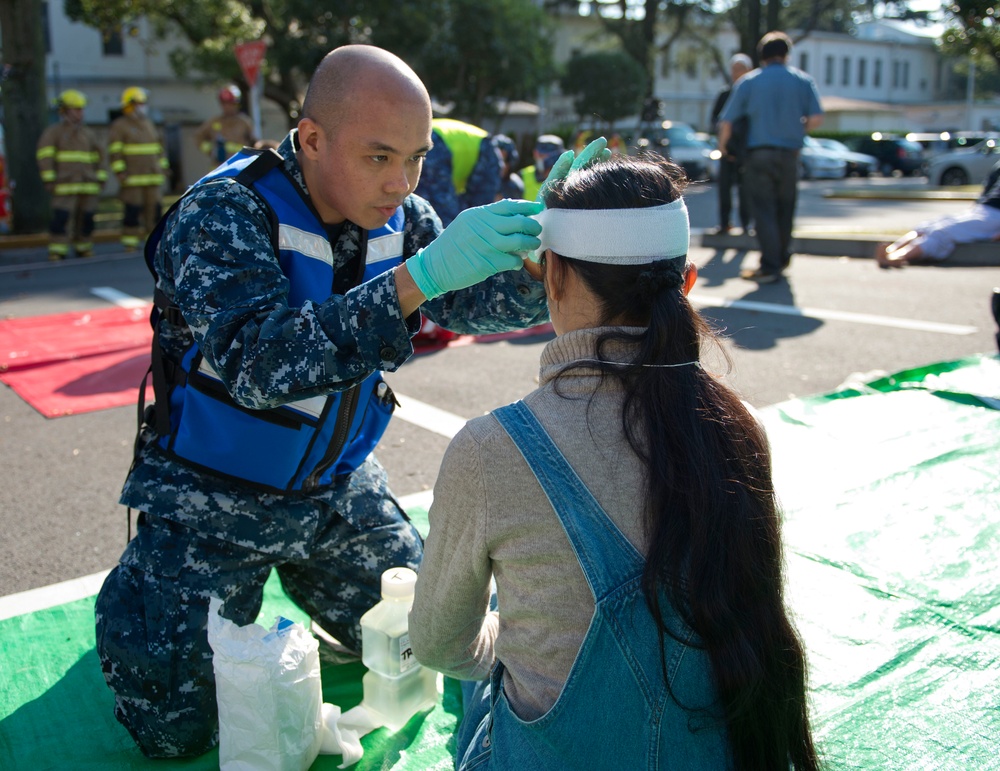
(626, 512)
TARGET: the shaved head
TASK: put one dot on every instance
(349, 76)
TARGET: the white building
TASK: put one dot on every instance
(78, 57)
(887, 77)
(884, 78)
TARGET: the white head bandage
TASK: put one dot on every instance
(617, 236)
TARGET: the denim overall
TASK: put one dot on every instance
(616, 711)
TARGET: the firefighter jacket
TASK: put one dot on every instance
(225, 135)
(135, 150)
(71, 160)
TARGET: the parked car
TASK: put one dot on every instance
(935, 143)
(816, 162)
(680, 143)
(895, 154)
(858, 164)
(964, 167)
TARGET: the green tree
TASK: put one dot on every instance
(607, 85)
(974, 35)
(469, 51)
(298, 32)
(24, 109)
(485, 51)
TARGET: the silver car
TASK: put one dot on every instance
(969, 166)
(816, 162)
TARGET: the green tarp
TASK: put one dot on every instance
(891, 494)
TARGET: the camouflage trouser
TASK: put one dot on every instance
(153, 608)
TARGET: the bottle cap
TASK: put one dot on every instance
(398, 583)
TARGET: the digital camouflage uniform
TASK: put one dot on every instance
(437, 183)
(200, 535)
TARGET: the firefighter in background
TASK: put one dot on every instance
(228, 133)
(71, 162)
(139, 161)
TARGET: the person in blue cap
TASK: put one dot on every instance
(548, 148)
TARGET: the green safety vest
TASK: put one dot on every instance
(463, 140)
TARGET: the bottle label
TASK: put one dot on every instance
(406, 658)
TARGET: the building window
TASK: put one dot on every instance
(804, 62)
(845, 75)
(877, 75)
(114, 44)
(862, 71)
(906, 74)
(828, 78)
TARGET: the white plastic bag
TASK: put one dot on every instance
(269, 694)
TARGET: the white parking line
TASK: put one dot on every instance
(120, 299)
(44, 597)
(428, 417)
(821, 313)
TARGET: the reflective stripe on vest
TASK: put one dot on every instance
(305, 444)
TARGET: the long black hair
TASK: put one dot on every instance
(712, 520)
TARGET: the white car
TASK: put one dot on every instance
(680, 143)
(816, 162)
(970, 166)
(858, 164)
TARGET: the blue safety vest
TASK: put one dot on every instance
(303, 445)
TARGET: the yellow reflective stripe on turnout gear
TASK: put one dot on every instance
(46, 152)
(77, 188)
(76, 156)
(48, 175)
(148, 148)
(116, 147)
(142, 180)
(118, 166)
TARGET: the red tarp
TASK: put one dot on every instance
(68, 363)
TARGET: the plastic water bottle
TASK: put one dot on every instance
(396, 687)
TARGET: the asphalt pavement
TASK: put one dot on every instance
(835, 318)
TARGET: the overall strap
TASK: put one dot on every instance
(606, 556)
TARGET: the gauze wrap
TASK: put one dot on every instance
(617, 236)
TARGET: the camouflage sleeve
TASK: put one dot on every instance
(509, 300)
(483, 184)
(217, 262)
(436, 184)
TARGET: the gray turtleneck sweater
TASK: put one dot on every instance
(491, 520)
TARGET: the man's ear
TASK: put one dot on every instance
(690, 276)
(311, 138)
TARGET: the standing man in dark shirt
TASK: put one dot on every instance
(782, 105)
(731, 165)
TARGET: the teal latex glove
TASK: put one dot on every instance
(480, 242)
(595, 152)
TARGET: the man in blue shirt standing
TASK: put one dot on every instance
(782, 105)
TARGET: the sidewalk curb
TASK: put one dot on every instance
(983, 254)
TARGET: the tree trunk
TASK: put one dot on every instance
(752, 34)
(24, 110)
